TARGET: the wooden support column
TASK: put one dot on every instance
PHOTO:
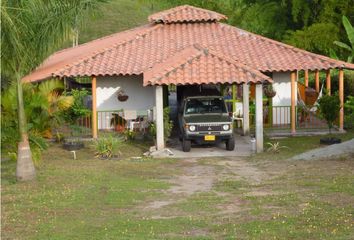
(259, 118)
(341, 99)
(317, 81)
(160, 143)
(306, 78)
(293, 104)
(234, 97)
(94, 107)
(246, 109)
(328, 82)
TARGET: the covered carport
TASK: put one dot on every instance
(196, 65)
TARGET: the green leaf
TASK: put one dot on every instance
(349, 29)
(342, 45)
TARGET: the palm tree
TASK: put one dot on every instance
(350, 33)
(31, 31)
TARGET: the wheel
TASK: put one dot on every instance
(230, 144)
(186, 145)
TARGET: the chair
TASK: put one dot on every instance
(130, 116)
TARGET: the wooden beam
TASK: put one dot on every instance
(293, 104)
(234, 97)
(306, 78)
(341, 99)
(317, 81)
(328, 81)
(94, 107)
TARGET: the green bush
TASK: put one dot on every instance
(106, 147)
(349, 113)
(329, 108)
(78, 109)
(167, 125)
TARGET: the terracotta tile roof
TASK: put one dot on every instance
(186, 13)
(200, 65)
(136, 51)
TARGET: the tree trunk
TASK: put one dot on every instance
(25, 169)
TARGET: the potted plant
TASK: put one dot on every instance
(269, 91)
(118, 122)
(329, 107)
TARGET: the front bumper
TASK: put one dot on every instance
(200, 136)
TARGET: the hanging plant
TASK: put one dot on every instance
(122, 96)
(269, 91)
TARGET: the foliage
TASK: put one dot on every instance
(78, 108)
(106, 146)
(129, 135)
(329, 107)
(117, 120)
(350, 34)
(167, 125)
(30, 31)
(349, 113)
(43, 106)
(275, 147)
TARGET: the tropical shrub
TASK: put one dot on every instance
(78, 108)
(329, 107)
(43, 107)
(106, 147)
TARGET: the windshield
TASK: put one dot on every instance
(205, 105)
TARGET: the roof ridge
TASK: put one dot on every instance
(103, 50)
(187, 59)
(163, 14)
(200, 50)
(293, 48)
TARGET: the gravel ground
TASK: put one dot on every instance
(345, 149)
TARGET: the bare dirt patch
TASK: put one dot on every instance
(199, 177)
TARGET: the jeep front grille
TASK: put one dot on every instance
(209, 127)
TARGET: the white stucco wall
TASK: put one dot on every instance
(282, 85)
(140, 98)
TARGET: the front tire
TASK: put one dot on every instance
(230, 144)
(186, 145)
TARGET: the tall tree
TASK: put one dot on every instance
(31, 30)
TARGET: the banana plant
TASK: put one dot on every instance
(350, 33)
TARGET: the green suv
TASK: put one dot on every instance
(205, 120)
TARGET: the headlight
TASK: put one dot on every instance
(226, 127)
(192, 128)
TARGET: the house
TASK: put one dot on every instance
(188, 46)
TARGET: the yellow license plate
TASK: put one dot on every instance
(209, 137)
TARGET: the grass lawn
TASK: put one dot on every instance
(260, 197)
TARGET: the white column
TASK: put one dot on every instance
(246, 109)
(259, 117)
(160, 143)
